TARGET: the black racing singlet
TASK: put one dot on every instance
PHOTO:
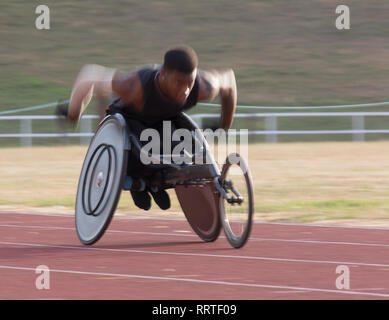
(156, 106)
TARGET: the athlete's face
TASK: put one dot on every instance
(178, 85)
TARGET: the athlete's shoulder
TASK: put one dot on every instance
(128, 87)
(151, 67)
(147, 73)
(213, 82)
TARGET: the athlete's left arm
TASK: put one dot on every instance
(219, 83)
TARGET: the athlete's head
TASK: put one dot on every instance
(178, 73)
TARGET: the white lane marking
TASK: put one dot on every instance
(36, 227)
(290, 291)
(183, 219)
(323, 242)
(368, 289)
(180, 233)
(226, 283)
(37, 214)
(197, 254)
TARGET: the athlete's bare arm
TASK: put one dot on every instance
(129, 88)
(95, 79)
(223, 84)
(102, 81)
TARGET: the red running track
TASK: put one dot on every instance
(162, 259)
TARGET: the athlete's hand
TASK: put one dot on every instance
(91, 79)
(61, 111)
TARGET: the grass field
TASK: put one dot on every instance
(283, 52)
(334, 182)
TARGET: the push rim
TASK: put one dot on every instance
(237, 203)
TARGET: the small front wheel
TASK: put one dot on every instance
(236, 203)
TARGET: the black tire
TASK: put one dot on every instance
(244, 216)
(101, 180)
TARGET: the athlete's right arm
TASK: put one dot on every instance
(95, 79)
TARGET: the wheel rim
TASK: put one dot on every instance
(100, 181)
(237, 212)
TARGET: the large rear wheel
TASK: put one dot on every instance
(101, 180)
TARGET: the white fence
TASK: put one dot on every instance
(271, 131)
(25, 129)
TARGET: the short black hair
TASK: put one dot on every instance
(182, 58)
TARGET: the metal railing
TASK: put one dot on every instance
(25, 129)
(271, 131)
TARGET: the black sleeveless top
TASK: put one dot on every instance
(156, 106)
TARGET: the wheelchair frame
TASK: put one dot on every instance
(193, 183)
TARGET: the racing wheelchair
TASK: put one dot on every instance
(210, 199)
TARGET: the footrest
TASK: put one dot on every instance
(190, 172)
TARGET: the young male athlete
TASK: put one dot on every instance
(153, 94)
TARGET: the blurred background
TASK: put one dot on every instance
(284, 53)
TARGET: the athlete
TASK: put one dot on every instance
(152, 94)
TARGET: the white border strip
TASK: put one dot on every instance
(225, 283)
(164, 234)
(183, 219)
(220, 256)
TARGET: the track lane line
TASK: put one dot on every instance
(183, 219)
(197, 254)
(201, 281)
(195, 236)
